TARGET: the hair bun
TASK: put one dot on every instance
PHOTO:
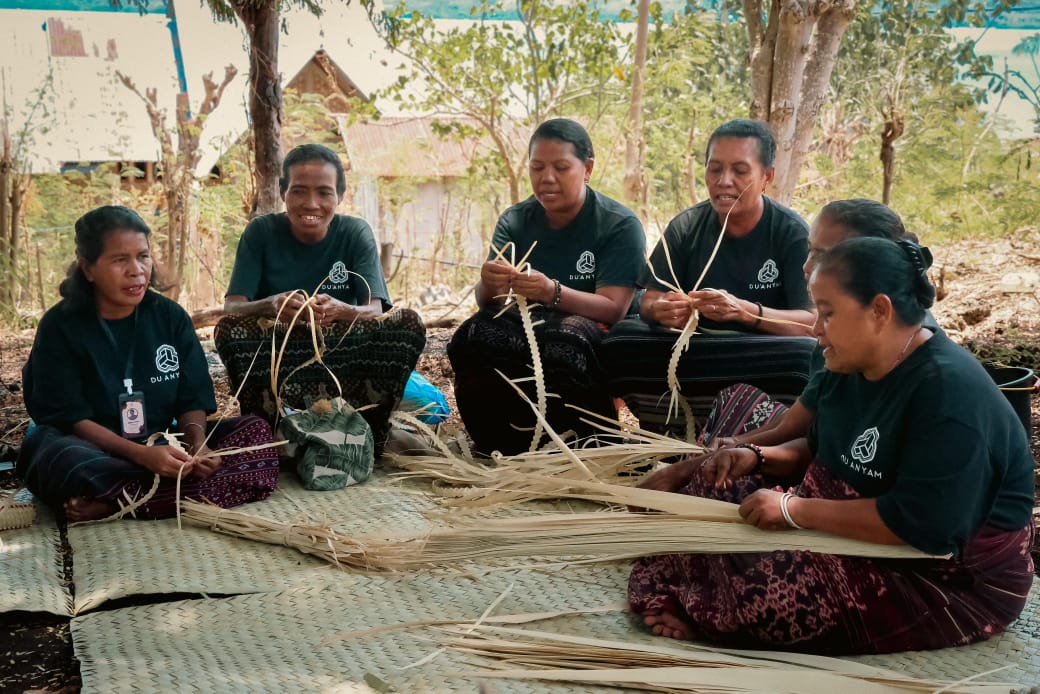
(921, 259)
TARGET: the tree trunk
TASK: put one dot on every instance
(6, 231)
(830, 28)
(635, 144)
(792, 52)
(265, 100)
(893, 130)
(792, 57)
(762, 47)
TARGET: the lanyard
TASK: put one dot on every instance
(128, 381)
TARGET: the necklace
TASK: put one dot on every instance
(902, 353)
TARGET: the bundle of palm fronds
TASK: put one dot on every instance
(699, 526)
(619, 455)
(529, 654)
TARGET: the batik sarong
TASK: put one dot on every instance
(495, 416)
(635, 359)
(371, 359)
(57, 467)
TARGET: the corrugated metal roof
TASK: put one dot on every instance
(58, 84)
(405, 147)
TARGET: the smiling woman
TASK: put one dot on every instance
(114, 362)
(284, 257)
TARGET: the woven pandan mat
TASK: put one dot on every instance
(305, 638)
(31, 573)
(128, 557)
(298, 639)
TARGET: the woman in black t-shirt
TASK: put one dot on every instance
(367, 352)
(113, 363)
(912, 444)
(584, 252)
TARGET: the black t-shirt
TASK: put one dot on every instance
(74, 371)
(270, 260)
(604, 246)
(764, 265)
(934, 441)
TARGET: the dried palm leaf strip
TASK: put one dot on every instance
(596, 536)
(541, 395)
(682, 343)
(682, 667)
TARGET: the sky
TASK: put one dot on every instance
(1025, 16)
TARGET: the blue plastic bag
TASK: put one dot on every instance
(419, 394)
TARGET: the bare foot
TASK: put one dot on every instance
(668, 625)
(80, 509)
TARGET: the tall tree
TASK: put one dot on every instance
(635, 143)
(793, 47)
(260, 19)
(895, 54)
(501, 78)
(178, 163)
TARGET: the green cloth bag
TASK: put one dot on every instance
(331, 444)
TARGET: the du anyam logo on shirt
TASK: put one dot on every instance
(339, 274)
(768, 275)
(168, 363)
(585, 266)
(863, 450)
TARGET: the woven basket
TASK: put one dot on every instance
(17, 510)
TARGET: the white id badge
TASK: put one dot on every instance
(131, 414)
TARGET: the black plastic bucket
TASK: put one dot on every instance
(1017, 384)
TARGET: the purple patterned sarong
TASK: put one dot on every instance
(57, 467)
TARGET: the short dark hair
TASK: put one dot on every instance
(91, 231)
(564, 130)
(304, 154)
(865, 267)
(751, 129)
(863, 217)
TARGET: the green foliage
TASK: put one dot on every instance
(954, 177)
(500, 79)
(696, 79)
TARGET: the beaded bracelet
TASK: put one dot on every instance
(787, 513)
(757, 450)
(557, 294)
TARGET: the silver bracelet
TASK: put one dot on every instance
(786, 513)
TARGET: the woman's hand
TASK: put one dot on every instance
(671, 310)
(762, 510)
(495, 276)
(165, 461)
(533, 286)
(328, 310)
(727, 464)
(721, 306)
(674, 477)
(205, 463)
(286, 305)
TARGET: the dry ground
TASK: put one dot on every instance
(36, 650)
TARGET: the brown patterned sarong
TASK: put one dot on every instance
(372, 359)
(830, 604)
